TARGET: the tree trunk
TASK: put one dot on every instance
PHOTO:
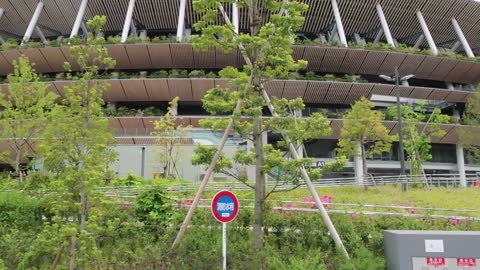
(73, 250)
(17, 166)
(365, 165)
(259, 185)
(84, 209)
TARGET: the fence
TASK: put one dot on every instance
(438, 180)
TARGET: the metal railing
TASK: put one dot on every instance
(436, 180)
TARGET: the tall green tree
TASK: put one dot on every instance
(469, 134)
(169, 138)
(266, 48)
(363, 126)
(74, 145)
(417, 142)
(26, 106)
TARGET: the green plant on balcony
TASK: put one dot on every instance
(175, 73)
(197, 74)
(125, 111)
(135, 40)
(76, 40)
(354, 79)
(110, 110)
(10, 44)
(160, 39)
(114, 40)
(152, 111)
(34, 44)
(379, 46)
(158, 74)
(56, 43)
(329, 77)
(310, 75)
(123, 76)
(211, 75)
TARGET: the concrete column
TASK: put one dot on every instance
(84, 28)
(2, 41)
(235, 21)
(339, 24)
(133, 29)
(40, 34)
(426, 33)
(462, 38)
(456, 116)
(455, 46)
(405, 83)
(79, 19)
(33, 22)
(450, 87)
(378, 36)
(419, 41)
(128, 20)
(181, 20)
(461, 165)
(383, 22)
(358, 165)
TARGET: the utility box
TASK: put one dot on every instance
(432, 250)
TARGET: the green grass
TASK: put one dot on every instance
(448, 198)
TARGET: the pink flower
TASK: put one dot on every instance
(289, 205)
(354, 217)
(324, 199)
(126, 205)
(454, 222)
(412, 210)
(186, 203)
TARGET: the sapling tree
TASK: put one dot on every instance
(266, 48)
(417, 142)
(74, 145)
(468, 134)
(26, 106)
(169, 138)
(363, 133)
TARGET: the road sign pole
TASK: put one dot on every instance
(224, 245)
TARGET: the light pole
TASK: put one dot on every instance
(401, 154)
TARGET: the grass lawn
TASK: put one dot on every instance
(449, 198)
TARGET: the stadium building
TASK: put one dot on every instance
(347, 44)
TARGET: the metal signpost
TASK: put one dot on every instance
(225, 209)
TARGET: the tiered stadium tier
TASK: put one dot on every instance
(361, 17)
(313, 92)
(320, 59)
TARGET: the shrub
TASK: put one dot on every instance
(154, 208)
(197, 74)
(158, 74)
(10, 44)
(160, 39)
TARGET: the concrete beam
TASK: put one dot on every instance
(235, 20)
(181, 20)
(339, 24)
(383, 22)
(79, 18)
(33, 22)
(462, 39)
(41, 35)
(128, 21)
(426, 33)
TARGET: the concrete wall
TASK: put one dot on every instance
(130, 160)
